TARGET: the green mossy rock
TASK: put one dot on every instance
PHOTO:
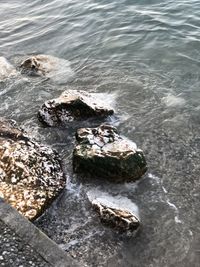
(102, 152)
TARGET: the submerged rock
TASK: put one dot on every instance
(6, 69)
(30, 174)
(72, 105)
(102, 152)
(57, 69)
(117, 212)
(9, 130)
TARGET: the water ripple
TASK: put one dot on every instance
(146, 54)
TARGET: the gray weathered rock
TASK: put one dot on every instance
(57, 69)
(6, 69)
(102, 152)
(30, 174)
(117, 212)
(72, 105)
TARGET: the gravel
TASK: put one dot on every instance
(14, 253)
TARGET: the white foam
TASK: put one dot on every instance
(6, 69)
(106, 100)
(117, 202)
(154, 177)
(166, 198)
(173, 101)
(176, 217)
(57, 69)
(61, 71)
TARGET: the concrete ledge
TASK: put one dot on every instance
(32, 236)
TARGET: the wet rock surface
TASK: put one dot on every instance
(8, 130)
(6, 69)
(72, 105)
(30, 174)
(102, 152)
(118, 213)
(57, 69)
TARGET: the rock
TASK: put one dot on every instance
(102, 152)
(30, 174)
(72, 105)
(6, 69)
(117, 212)
(57, 69)
(8, 130)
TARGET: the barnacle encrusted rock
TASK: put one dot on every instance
(30, 174)
(117, 212)
(102, 152)
(6, 69)
(72, 105)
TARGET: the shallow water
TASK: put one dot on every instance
(144, 56)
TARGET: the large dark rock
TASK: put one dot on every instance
(30, 174)
(102, 152)
(72, 105)
(117, 212)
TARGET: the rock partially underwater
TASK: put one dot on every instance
(72, 105)
(30, 174)
(102, 152)
(6, 69)
(57, 69)
(117, 212)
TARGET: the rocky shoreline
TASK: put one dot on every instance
(31, 174)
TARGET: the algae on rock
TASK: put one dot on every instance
(102, 152)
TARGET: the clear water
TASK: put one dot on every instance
(145, 56)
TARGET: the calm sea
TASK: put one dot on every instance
(144, 56)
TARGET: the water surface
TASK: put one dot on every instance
(144, 55)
